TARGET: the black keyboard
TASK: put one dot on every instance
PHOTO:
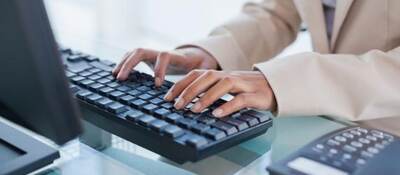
(135, 110)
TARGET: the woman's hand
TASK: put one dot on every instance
(250, 89)
(182, 60)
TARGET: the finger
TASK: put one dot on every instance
(179, 86)
(161, 67)
(202, 83)
(239, 102)
(133, 60)
(223, 87)
(119, 66)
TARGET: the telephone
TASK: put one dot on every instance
(352, 150)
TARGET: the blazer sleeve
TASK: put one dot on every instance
(260, 32)
(353, 87)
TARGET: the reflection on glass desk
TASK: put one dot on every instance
(251, 157)
(77, 158)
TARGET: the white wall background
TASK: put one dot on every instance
(127, 24)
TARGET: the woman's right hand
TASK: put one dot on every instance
(183, 59)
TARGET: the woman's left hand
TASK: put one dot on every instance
(250, 89)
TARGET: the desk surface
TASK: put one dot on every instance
(251, 157)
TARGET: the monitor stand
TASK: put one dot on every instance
(21, 153)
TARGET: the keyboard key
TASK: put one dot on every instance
(150, 108)
(134, 92)
(93, 98)
(200, 128)
(103, 74)
(107, 62)
(94, 77)
(85, 73)
(215, 134)
(132, 85)
(143, 88)
(186, 122)
(149, 84)
(137, 103)
(190, 114)
(74, 88)
(251, 121)
(96, 86)
(240, 125)
(156, 101)
(75, 58)
(91, 58)
(127, 99)
(260, 116)
(104, 102)
(162, 112)
(197, 141)
(113, 85)
(86, 83)
(77, 79)
(117, 108)
(158, 125)
(227, 128)
(116, 94)
(78, 67)
(133, 115)
(124, 88)
(174, 117)
(154, 92)
(83, 94)
(102, 66)
(95, 70)
(206, 120)
(110, 77)
(69, 74)
(104, 81)
(106, 90)
(349, 148)
(146, 120)
(173, 131)
(167, 105)
(145, 96)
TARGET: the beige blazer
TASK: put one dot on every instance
(355, 76)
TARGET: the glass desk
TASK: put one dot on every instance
(251, 157)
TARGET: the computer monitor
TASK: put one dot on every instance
(34, 92)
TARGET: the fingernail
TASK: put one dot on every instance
(179, 104)
(217, 112)
(168, 97)
(158, 81)
(196, 107)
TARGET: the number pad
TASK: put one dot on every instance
(351, 147)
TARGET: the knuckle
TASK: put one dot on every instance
(205, 100)
(164, 55)
(139, 51)
(190, 91)
(211, 73)
(229, 80)
(195, 72)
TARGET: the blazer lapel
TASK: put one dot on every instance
(312, 14)
(342, 8)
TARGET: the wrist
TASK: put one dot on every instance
(205, 59)
(270, 93)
